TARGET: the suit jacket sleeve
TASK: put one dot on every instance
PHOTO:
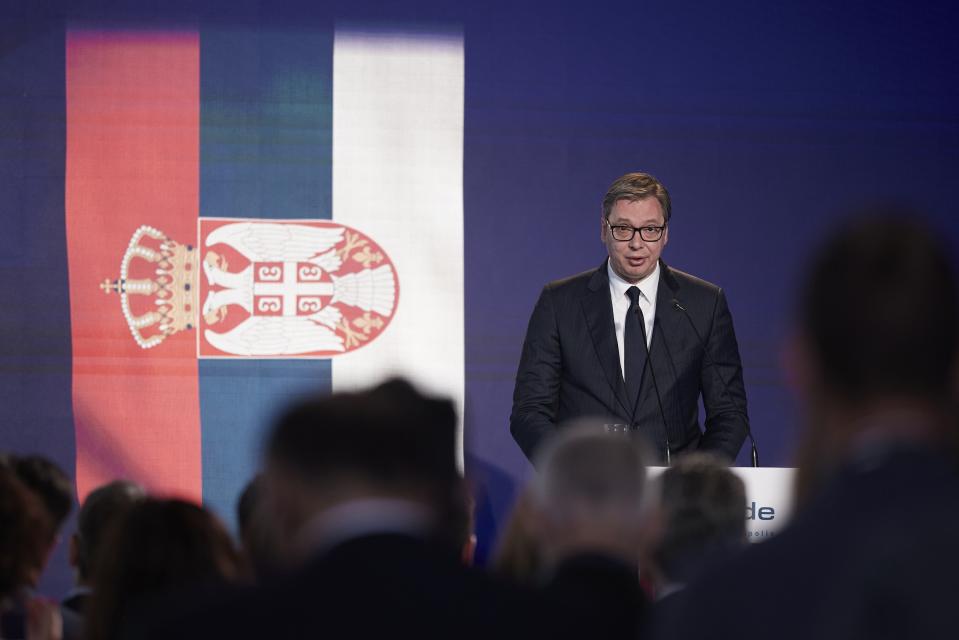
(536, 394)
(721, 380)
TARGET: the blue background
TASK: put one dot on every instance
(764, 120)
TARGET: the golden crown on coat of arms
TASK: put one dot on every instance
(172, 285)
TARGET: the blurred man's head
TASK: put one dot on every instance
(879, 334)
(590, 494)
(103, 507)
(387, 442)
(880, 312)
(702, 506)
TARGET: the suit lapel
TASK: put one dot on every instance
(598, 309)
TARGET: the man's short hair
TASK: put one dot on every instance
(585, 470)
(880, 308)
(48, 481)
(703, 505)
(103, 507)
(390, 435)
(637, 186)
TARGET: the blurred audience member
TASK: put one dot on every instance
(870, 552)
(365, 488)
(591, 518)
(518, 556)
(157, 549)
(54, 491)
(258, 538)
(49, 483)
(24, 526)
(702, 506)
(101, 509)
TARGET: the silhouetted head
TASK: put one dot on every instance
(702, 506)
(590, 494)
(390, 441)
(875, 362)
(49, 482)
(158, 547)
(24, 525)
(102, 507)
(880, 310)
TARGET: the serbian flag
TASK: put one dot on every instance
(253, 214)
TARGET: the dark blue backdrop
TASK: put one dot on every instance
(763, 120)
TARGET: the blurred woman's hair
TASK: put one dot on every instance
(157, 547)
(518, 556)
(24, 534)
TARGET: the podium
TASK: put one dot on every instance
(769, 498)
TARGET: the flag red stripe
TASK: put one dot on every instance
(133, 114)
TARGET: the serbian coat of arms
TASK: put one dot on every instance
(257, 289)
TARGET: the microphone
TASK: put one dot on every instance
(659, 398)
(754, 452)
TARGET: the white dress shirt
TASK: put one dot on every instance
(648, 287)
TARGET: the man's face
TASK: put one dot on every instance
(634, 259)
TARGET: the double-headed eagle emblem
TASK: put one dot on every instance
(257, 289)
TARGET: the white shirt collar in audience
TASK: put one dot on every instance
(358, 518)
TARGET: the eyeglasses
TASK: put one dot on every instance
(625, 233)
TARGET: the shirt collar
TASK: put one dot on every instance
(362, 517)
(648, 286)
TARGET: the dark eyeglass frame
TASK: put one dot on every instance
(657, 231)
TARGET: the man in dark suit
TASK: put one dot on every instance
(871, 552)
(635, 342)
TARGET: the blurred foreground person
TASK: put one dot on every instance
(701, 515)
(365, 488)
(258, 538)
(158, 550)
(591, 512)
(50, 484)
(24, 532)
(871, 551)
(101, 509)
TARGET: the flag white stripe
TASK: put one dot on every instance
(398, 177)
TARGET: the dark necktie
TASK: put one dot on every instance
(634, 345)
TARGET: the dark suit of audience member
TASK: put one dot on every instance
(871, 550)
(583, 357)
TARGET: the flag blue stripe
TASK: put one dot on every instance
(265, 152)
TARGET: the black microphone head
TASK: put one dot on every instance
(678, 306)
